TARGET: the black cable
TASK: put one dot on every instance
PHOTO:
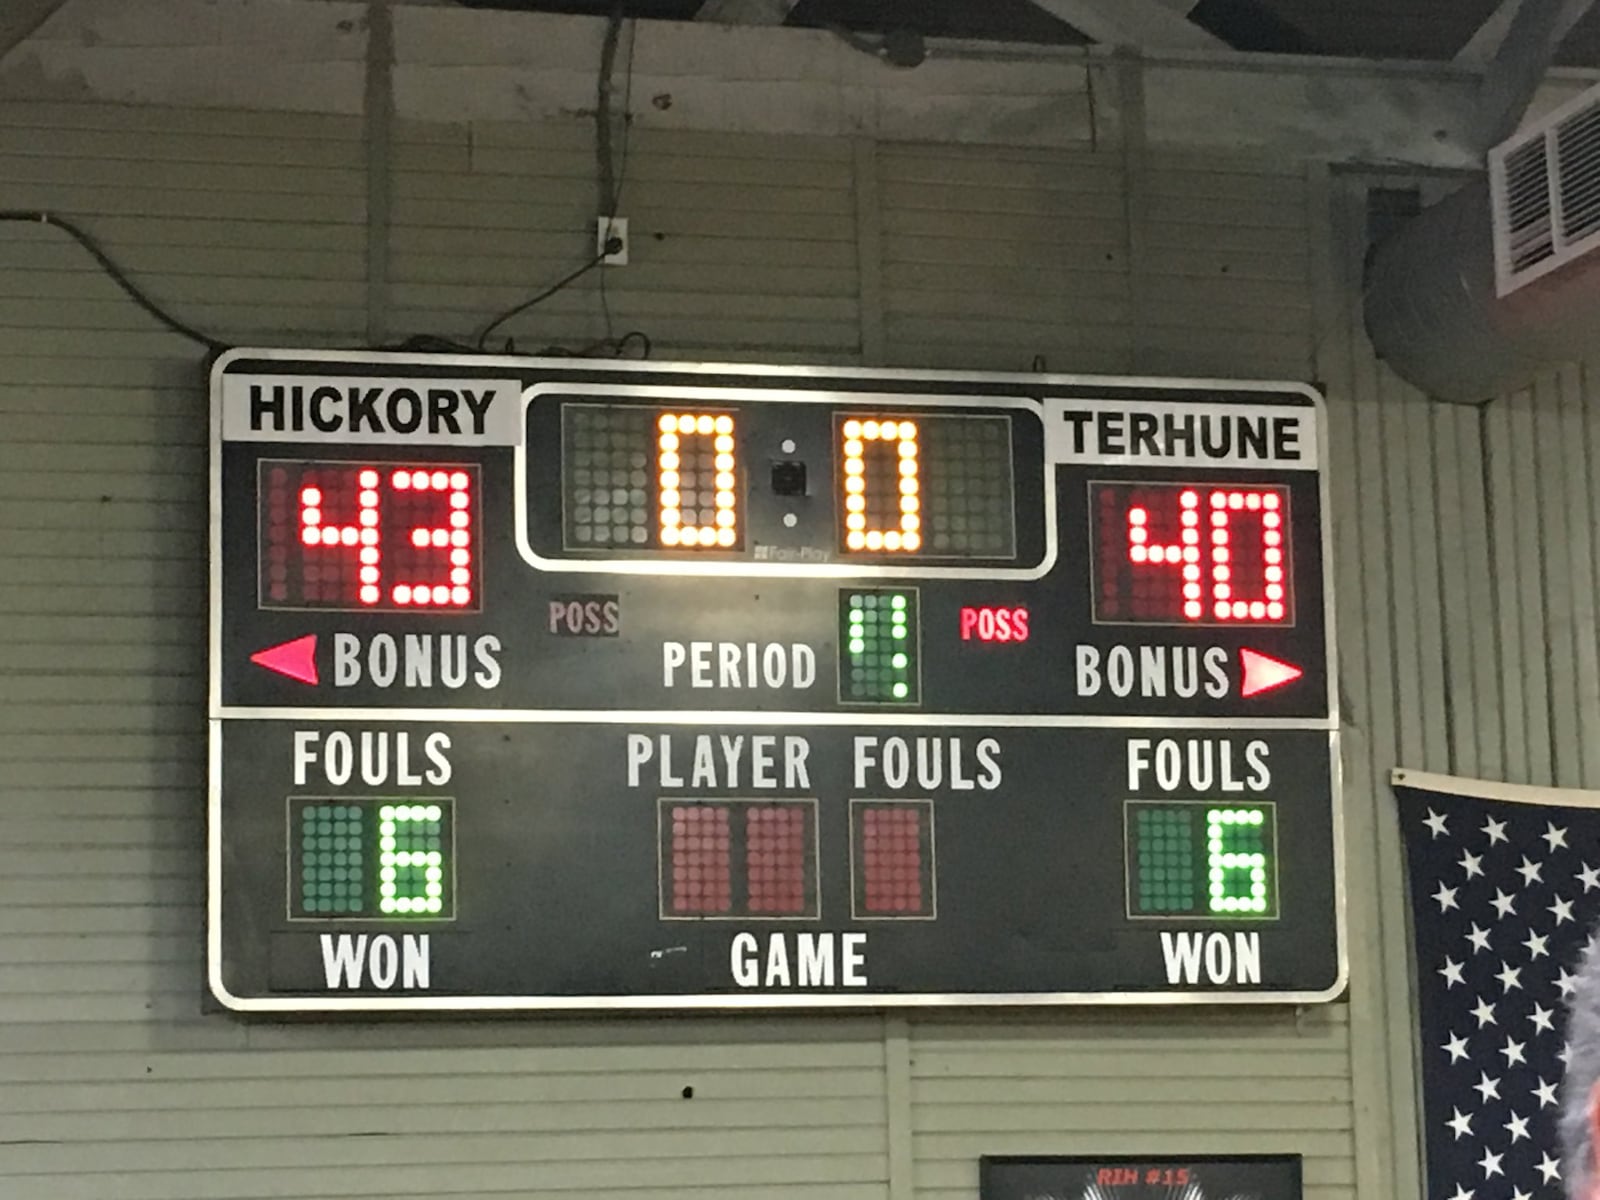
(602, 115)
(429, 343)
(644, 339)
(114, 271)
(421, 343)
(627, 115)
(542, 296)
(606, 182)
(621, 174)
(612, 176)
(609, 183)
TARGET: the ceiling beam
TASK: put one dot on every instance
(1145, 24)
(745, 12)
(1485, 43)
(19, 19)
(1521, 59)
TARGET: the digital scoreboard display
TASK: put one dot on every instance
(1174, 553)
(1152, 1177)
(352, 536)
(923, 487)
(544, 684)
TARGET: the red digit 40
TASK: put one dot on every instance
(1212, 527)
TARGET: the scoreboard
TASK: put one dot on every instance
(552, 684)
(1154, 1177)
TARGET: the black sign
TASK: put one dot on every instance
(1129, 1177)
(542, 684)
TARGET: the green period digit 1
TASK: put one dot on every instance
(1236, 860)
(878, 646)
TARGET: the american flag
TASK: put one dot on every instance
(1503, 898)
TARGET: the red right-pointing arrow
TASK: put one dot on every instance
(296, 659)
(1262, 673)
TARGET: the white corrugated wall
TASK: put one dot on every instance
(1465, 647)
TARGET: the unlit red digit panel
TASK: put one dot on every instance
(892, 850)
(738, 858)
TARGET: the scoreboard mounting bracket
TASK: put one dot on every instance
(544, 684)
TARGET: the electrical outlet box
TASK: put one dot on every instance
(607, 231)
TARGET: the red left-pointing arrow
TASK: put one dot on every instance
(296, 659)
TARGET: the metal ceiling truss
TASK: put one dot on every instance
(1491, 35)
(20, 18)
(1143, 24)
(746, 12)
(1517, 44)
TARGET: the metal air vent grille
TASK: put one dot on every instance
(1545, 187)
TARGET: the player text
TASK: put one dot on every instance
(722, 760)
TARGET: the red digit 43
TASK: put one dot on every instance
(432, 564)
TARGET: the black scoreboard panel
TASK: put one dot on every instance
(543, 684)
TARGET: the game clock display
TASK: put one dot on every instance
(939, 487)
(921, 486)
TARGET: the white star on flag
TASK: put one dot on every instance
(1484, 1012)
(1553, 837)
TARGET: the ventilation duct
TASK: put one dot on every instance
(1502, 279)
